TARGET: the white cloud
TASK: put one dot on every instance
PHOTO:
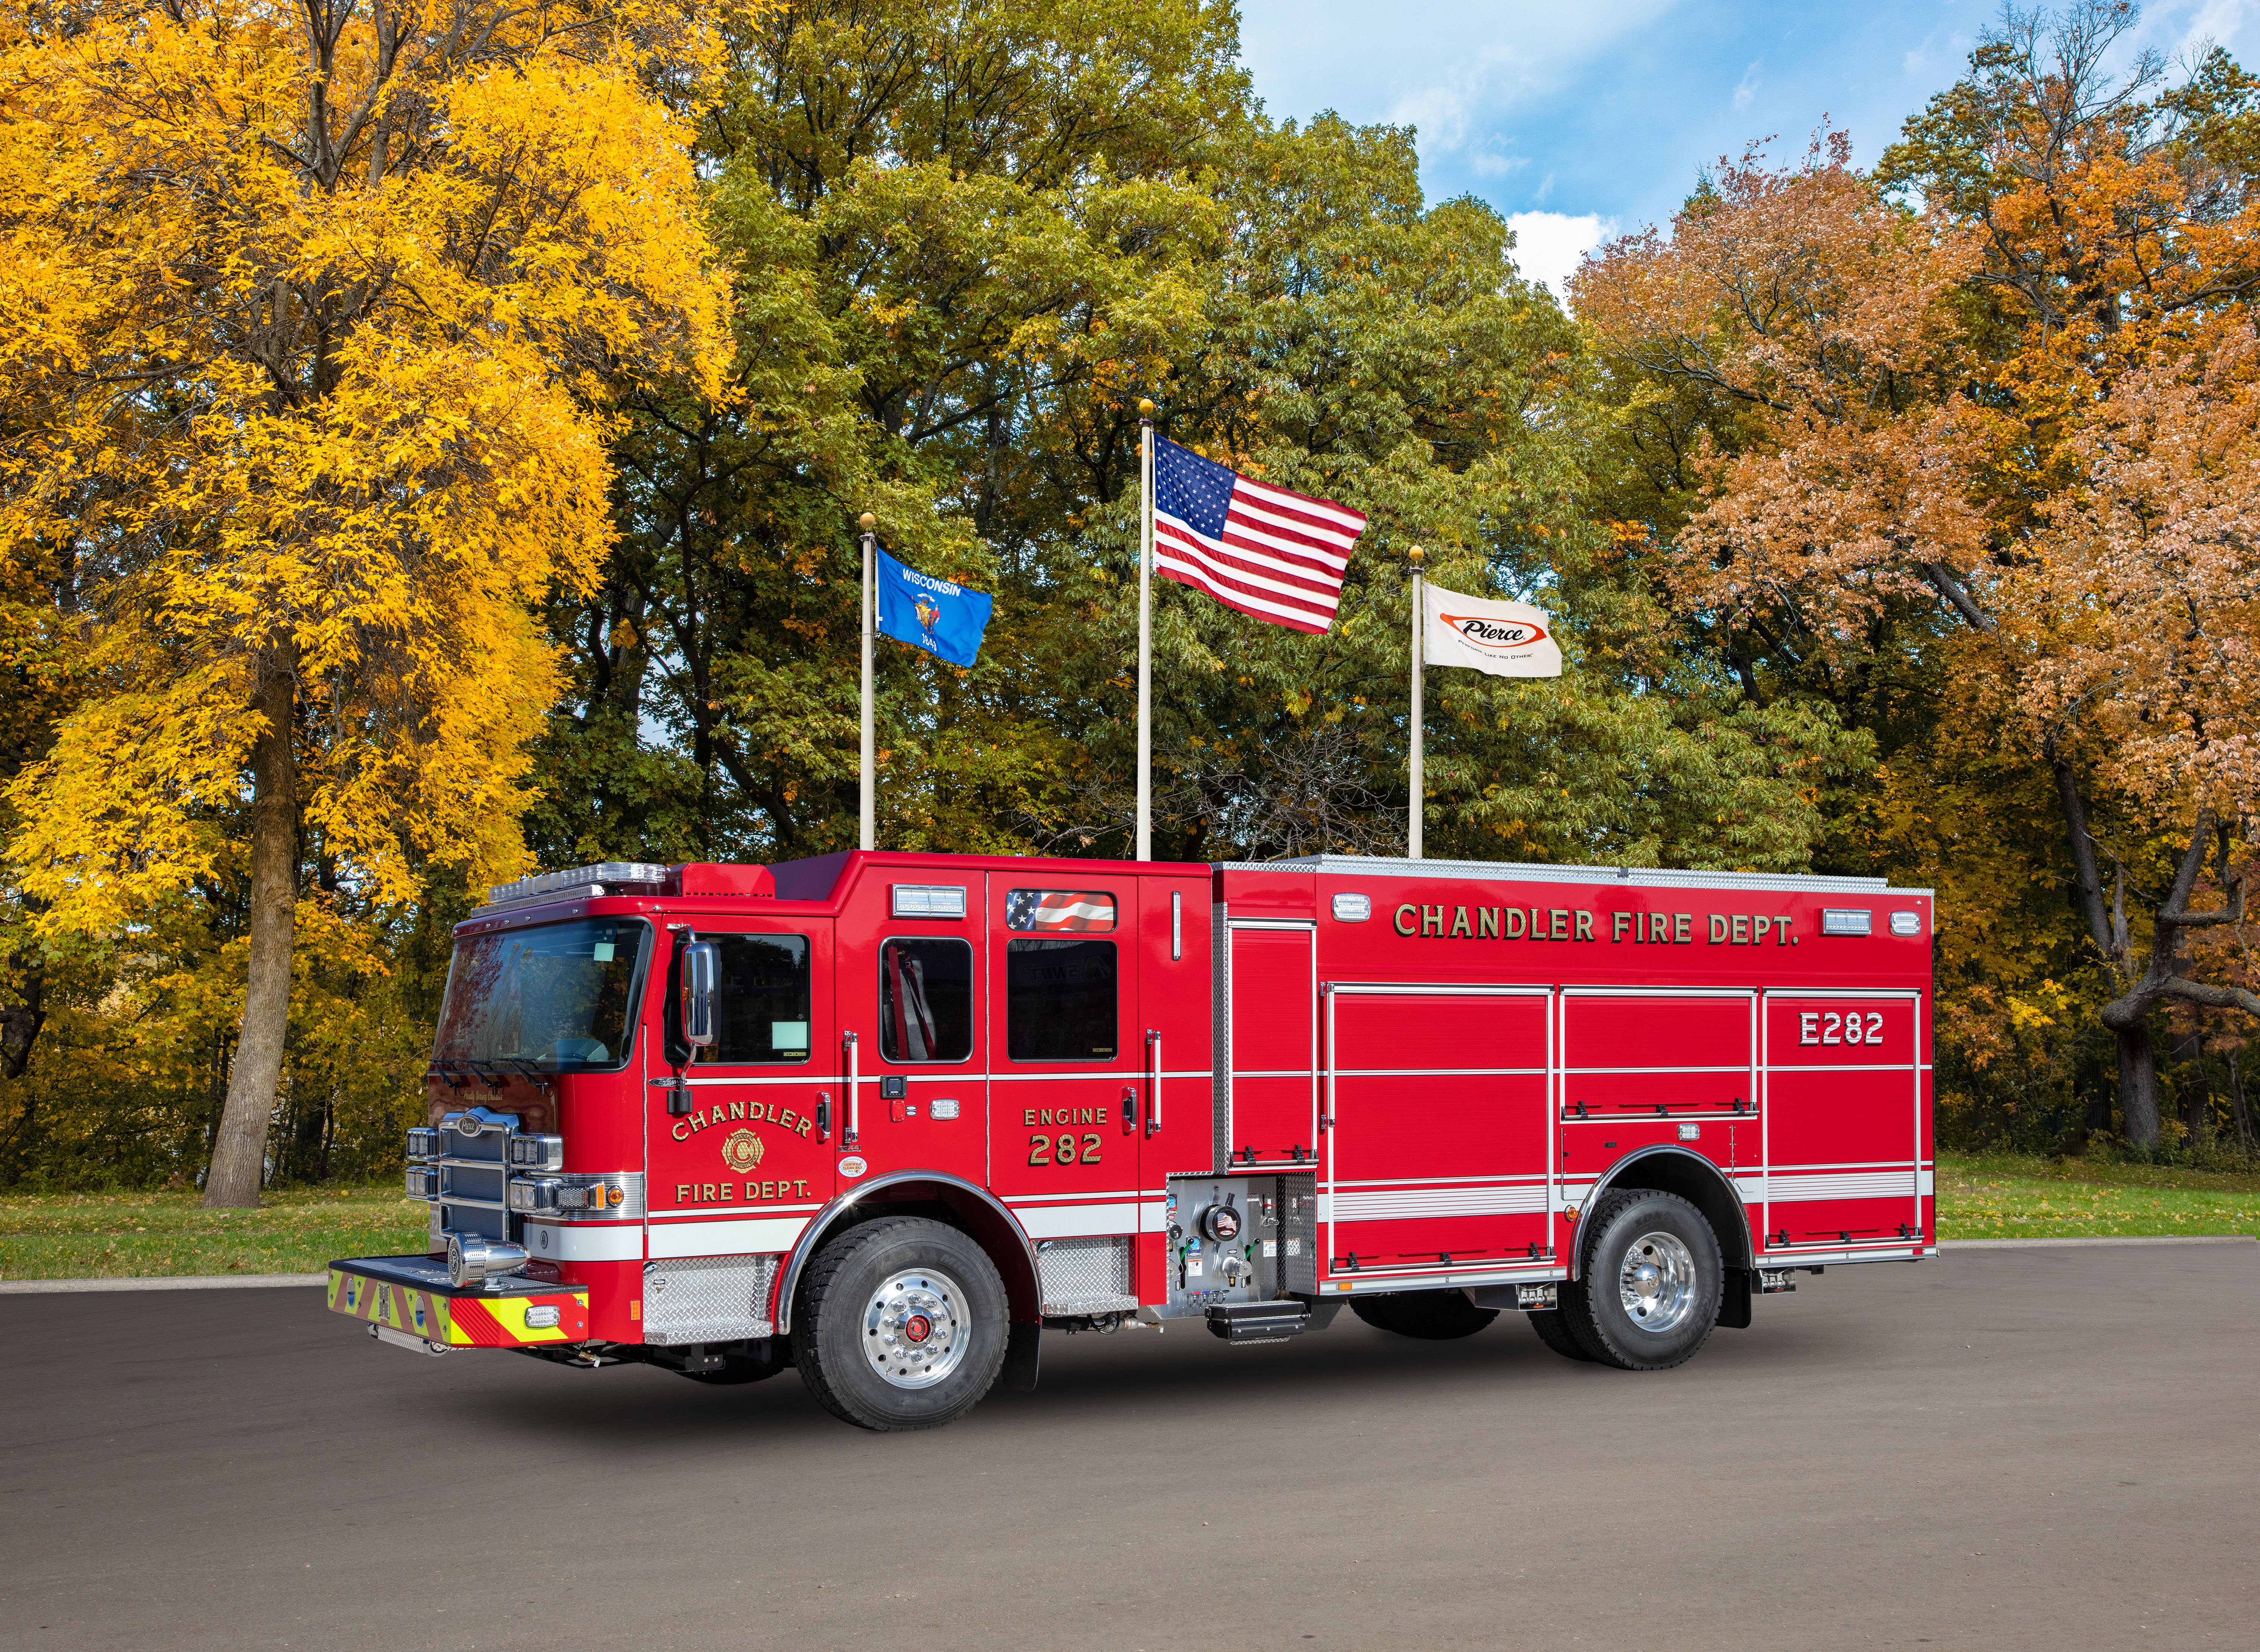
(1549, 245)
(1747, 88)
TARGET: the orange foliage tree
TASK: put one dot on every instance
(2013, 429)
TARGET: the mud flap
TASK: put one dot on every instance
(1735, 1301)
(1022, 1345)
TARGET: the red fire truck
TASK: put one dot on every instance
(887, 1117)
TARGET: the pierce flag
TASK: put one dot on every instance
(938, 615)
(1506, 638)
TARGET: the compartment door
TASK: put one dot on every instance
(1844, 1118)
(1271, 1115)
(1439, 1132)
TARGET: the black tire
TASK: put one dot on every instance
(1433, 1316)
(1556, 1334)
(953, 1287)
(739, 1367)
(1670, 1235)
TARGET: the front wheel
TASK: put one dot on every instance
(901, 1324)
(1648, 1291)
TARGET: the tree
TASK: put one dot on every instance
(1912, 442)
(312, 318)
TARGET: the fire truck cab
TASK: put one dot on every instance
(888, 1117)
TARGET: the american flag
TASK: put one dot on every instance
(1059, 909)
(1267, 551)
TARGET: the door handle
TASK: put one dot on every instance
(1153, 1080)
(823, 1115)
(854, 1096)
(1129, 1109)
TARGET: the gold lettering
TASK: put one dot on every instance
(1431, 920)
(1619, 922)
(681, 1193)
(1404, 919)
(1514, 925)
(800, 1189)
(1027, 1115)
(699, 1119)
(682, 1130)
(738, 1109)
(1679, 922)
(1584, 925)
(1718, 928)
(1537, 925)
(1486, 923)
(769, 1190)
(1559, 928)
(1742, 930)
(1459, 925)
(710, 1193)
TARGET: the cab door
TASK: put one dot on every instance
(1065, 1053)
(754, 1156)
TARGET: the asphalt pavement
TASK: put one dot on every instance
(2048, 1448)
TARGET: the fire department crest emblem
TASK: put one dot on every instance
(742, 1151)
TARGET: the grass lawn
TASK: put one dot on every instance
(2006, 1198)
(128, 1235)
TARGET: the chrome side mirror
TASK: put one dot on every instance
(702, 967)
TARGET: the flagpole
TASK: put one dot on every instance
(1414, 809)
(1145, 630)
(869, 838)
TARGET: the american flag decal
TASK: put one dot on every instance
(1059, 909)
(1277, 555)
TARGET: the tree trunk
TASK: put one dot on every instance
(2138, 1084)
(2238, 1112)
(2195, 1089)
(240, 1154)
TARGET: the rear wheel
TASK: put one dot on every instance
(1433, 1316)
(901, 1324)
(1556, 1334)
(1648, 1291)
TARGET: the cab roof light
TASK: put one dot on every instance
(1846, 920)
(611, 876)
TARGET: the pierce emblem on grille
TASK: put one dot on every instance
(742, 1151)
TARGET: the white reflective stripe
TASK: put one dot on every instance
(1802, 1190)
(585, 1241)
(726, 1239)
(1071, 1221)
(1403, 1204)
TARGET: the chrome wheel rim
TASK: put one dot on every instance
(1657, 1284)
(915, 1329)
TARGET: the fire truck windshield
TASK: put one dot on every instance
(556, 996)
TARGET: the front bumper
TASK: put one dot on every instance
(413, 1295)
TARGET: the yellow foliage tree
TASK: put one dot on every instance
(309, 317)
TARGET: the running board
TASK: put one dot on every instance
(1260, 1321)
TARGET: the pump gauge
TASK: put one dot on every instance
(1221, 1222)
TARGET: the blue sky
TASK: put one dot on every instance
(1579, 121)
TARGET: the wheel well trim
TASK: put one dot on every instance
(826, 1220)
(1677, 1154)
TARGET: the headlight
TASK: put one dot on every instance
(527, 1195)
(423, 1183)
(423, 1143)
(537, 1153)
